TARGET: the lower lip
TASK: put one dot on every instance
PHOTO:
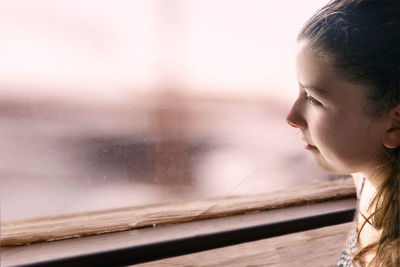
(310, 147)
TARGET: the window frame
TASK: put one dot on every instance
(300, 209)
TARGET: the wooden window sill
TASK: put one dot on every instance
(245, 218)
(318, 247)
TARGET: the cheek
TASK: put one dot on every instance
(344, 142)
(331, 136)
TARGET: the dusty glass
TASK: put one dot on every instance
(108, 104)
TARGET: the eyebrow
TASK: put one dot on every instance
(315, 89)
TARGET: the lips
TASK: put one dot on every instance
(308, 146)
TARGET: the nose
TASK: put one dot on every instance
(295, 117)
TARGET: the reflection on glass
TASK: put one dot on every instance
(106, 105)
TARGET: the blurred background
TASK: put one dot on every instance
(107, 104)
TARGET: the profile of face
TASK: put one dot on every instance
(329, 113)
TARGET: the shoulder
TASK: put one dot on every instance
(345, 257)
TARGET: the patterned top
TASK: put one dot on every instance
(345, 260)
(349, 248)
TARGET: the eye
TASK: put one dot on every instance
(312, 100)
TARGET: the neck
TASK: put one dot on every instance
(367, 197)
(369, 234)
(375, 177)
(371, 186)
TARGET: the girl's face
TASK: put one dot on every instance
(329, 112)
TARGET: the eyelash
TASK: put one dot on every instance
(311, 100)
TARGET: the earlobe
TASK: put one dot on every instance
(391, 138)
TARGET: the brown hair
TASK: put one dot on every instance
(359, 40)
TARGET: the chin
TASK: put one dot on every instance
(330, 168)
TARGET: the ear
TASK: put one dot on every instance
(391, 138)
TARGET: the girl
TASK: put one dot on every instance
(348, 111)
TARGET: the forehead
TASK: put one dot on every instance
(315, 75)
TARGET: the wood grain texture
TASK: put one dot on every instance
(320, 247)
(93, 223)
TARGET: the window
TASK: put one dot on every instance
(108, 106)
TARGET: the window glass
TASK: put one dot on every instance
(107, 104)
